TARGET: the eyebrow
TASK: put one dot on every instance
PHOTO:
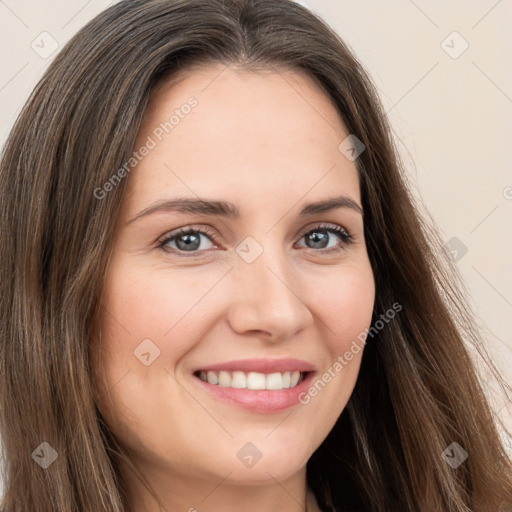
(193, 206)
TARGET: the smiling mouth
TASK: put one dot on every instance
(252, 380)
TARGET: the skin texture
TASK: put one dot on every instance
(268, 142)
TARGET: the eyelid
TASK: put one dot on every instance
(338, 230)
(323, 225)
(192, 228)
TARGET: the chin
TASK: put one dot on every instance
(256, 466)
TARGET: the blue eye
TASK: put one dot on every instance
(319, 236)
(188, 240)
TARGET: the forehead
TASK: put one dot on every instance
(268, 136)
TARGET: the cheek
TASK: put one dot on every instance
(344, 302)
(142, 303)
(155, 309)
(150, 302)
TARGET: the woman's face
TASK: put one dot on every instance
(253, 298)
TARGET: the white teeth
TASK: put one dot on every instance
(256, 381)
(274, 381)
(224, 379)
(294, 379)
(211, 377)
(251, 380)
(238, 380)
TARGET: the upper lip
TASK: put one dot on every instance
(261, 366)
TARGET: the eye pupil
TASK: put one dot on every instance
(318, 237)
(188, 241)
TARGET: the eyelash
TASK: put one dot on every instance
(346, 237)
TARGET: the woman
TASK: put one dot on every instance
(216, 290)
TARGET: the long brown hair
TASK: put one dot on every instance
(418, 390)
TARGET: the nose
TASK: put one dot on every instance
(268, 298)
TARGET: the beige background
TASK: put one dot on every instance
(451, 113)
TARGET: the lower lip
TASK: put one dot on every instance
(259, 400)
